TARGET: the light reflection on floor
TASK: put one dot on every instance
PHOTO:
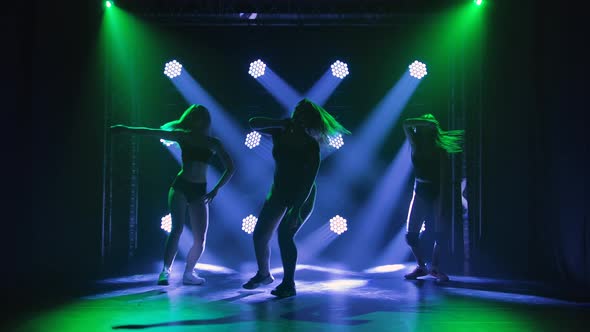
(355, 284)
(328, 299)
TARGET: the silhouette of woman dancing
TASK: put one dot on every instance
(431, 147)
(296, 151)
(188, 192)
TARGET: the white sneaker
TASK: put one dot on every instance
(192, 278)
(163, 278)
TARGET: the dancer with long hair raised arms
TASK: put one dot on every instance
(296, 151)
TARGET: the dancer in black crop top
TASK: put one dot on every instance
(188, 192)
(195, 153)
(430, 149)
(296, 151)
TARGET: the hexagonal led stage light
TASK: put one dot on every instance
(166, 142)
(338, 225)
(257, 68)
(173, 69)
(249, 223)
(339, 69)
(166, 224)
(253, 139)
(336, 141)
(417, 69)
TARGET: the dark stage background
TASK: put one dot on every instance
(218, 58)
(534, 210)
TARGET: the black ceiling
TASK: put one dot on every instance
(286, 12)
(285, 6)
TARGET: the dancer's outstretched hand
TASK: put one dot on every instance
(209, 196)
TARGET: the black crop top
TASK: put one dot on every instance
(295, 156)
(427, 166)
(195, 153)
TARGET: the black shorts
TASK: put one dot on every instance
(191, 190)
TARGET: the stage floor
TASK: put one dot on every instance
(327, 300)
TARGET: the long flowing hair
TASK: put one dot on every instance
(188, 117)
(449, 140)
(321, 124)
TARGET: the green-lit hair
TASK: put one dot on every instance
(322, 125)
(184, 122)
(450, 140)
